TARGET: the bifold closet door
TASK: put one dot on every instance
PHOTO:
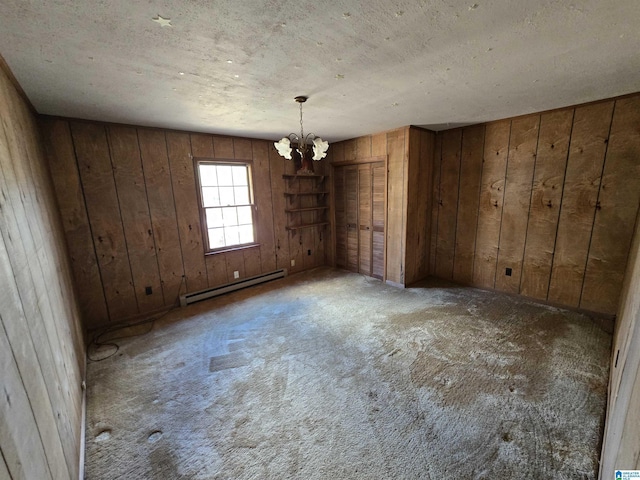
(359, 212)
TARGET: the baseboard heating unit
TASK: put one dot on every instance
(189, 298)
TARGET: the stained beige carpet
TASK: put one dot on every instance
(330, 375)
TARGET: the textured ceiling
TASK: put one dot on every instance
(234, 66)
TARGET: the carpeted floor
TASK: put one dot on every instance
(331, 375)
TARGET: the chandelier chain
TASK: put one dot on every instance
(301, 127)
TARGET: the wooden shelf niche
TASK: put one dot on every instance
(307, 202)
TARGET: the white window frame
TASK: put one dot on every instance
(203, 209)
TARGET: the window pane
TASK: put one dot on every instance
(226, 196)
(246, 233)
(244, 216)
(240, 175)
(229, 216)
(210, 196)
(214, 217)
(216, 238)
(208, 177)
(231, 236)
(241, 195)
(225, 177)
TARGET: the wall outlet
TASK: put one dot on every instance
(148, 290)
(236, 274)
(293, 262)
(508, 272)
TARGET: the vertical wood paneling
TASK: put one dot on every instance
(136, 220)
(435, 202)
(157, 174)
(467, 221)
(616, 210)
(235, 263)
(449, 188)
(415, 221)
(188, 216)
(351, 209)
(363, 146)
(277, 168)
(41, 346)
(223, 147)
(103, 208)
(262, 192)
(340, 223)
(350, 149)
(589, 138)
(75, 221)
(566, 225)
(396, 205)
(517, 200)
(548, 181)
(496, 148)
(378, 144)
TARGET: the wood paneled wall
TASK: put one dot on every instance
(129, 204)
(621, 445)
(42, 351)
(409, 153)
(553, 197)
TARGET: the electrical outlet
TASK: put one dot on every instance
(148, 290)
(293, 262)
(508, 272)
(236, 274)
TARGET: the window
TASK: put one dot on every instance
(226, 204)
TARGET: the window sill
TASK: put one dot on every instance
(232, 249)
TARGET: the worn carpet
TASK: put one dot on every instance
(331, 375)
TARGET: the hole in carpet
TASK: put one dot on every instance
(103, 435)
(155, 436)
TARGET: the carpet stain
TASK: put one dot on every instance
(327, 374)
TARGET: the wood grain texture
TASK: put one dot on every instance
(621, 448)
(75, 220)
(264, 203)
(279, 201)
(546, 196)
(235, 263)
(101, 199)
(496, 148)
(41, 340)
(340, 212)
(589, 139)
(435, 202)
(363, 147)
(153, 149)
(467, 221)
(615, 212)
(396, 206)
(136, 220)
(185, 194)
(378, 172)
(449, 189)
(517, 200)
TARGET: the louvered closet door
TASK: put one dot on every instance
(360, 214)
(378, 188)
(351, 213)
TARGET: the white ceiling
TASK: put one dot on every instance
(234, 66)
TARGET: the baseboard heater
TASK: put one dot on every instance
(189, 298)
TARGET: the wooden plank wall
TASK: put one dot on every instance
(553, 197)
(621, 444)
(409, 153)
(129, 205)
(418, 226)
(42, 355)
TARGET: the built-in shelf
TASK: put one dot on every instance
(307, 225)
(303, 212)
(296, 194)
(307, 209)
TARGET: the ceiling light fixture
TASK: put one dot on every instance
(285, 149)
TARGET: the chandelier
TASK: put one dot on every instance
(319, 146)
